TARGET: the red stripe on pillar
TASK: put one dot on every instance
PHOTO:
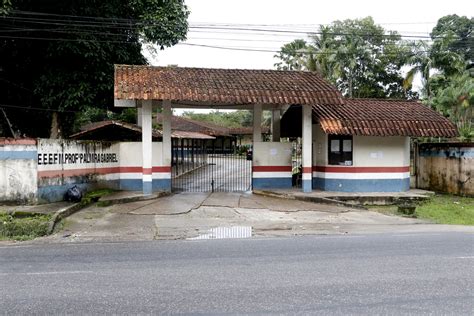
(162, 169)
(147, 170)
(307, 169)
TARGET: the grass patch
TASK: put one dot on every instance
(448, 209)
(104, 203)
(94, 196)
(24, 227)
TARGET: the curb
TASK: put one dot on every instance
(311, 199)
(69, 210)
(104, 201)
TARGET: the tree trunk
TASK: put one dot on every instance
(55, 132)
(350, 85)
(9, 124)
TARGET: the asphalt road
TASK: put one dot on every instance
(362, 274)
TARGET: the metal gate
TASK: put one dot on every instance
(296, 163)
(217, 170)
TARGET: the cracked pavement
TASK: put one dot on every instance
(190, 215)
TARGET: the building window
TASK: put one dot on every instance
(340, 150)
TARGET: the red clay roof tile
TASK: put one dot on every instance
(223, 86)
(383, 117)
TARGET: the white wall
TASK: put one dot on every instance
(368, 151)
(271, 154)
(131, 154)
(320, 146)
(371, 151)
(18, 174)
(61, 162)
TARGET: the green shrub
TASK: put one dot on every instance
(23, 228)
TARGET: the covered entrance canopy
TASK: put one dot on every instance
(172, 87)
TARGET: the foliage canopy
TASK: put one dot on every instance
(59, 55)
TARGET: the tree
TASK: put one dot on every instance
(240, 118)
(5, 6)
(422, 63)
(296, 55)
(454, 34)
(456, 101)
(58, 56)
(358, 56)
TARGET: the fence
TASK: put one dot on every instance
(446, 167)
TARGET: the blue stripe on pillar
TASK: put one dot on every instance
(147, 187)
(307, 185)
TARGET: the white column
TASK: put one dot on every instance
(307, 150)
(257, 123)
(276, 125)
(139, 115)
(146, 147)
(166, 125)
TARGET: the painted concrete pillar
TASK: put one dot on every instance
(257, 123)
(139, 116)
(166, 154)
(307, 148)
(146, 147)
(276, 125)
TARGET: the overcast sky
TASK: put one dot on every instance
(409, 17)
(412, 17)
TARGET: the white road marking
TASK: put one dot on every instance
(47, 273)
(470, 257)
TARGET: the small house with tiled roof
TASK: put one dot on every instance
(347, 144)
(363, 145)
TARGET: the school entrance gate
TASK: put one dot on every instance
(203, 167)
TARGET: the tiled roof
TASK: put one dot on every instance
(247, 130)
(190, 135)
(112, 130)
(117, 130)
(223, 86)
(383, 117)
(185, 124)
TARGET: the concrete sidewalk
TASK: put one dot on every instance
(117, 197)
(349, 198)
(229, 215)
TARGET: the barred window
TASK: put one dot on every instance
(340, 150)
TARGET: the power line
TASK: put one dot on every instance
(20, 12)
(249, 49)
(66, 39)
(35, 108)
(133, 24)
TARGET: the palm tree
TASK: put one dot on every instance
(295, 56)
(422, 62)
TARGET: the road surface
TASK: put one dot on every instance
(431, 273)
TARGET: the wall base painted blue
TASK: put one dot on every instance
(55, 193)
(137, 184)
(271, 183)
(357, 185)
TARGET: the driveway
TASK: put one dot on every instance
(221, 215)
(224, 172)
